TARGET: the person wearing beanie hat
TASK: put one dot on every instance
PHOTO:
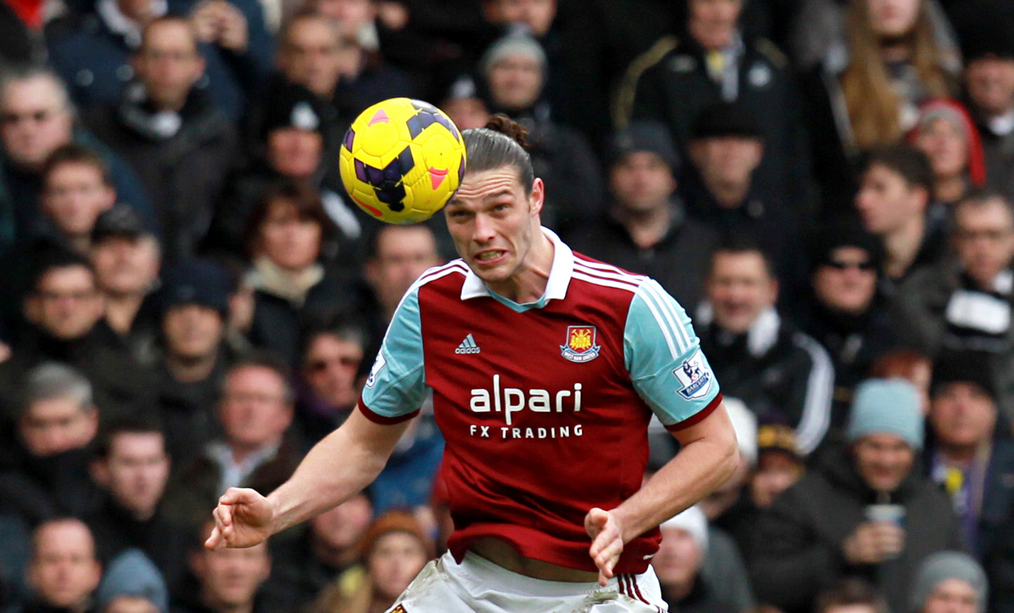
(131, 573)
(513, 76)
(646, 228)
(864, 509)
(779, 464)
(679, 565)
(949, 582)
(946, 134)
(988, 52)
(127, 257)
(725, 187)
(194, 303)
(845, 313)
(966, 457)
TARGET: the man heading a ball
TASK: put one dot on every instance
(545, 368)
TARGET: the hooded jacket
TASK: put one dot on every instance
(798, 543)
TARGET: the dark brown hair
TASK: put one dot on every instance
(298, 194)
(501, 143)
(73, 153)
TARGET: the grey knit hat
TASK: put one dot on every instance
(882, 406)
(947, 565)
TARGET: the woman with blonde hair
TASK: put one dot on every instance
(868, 92)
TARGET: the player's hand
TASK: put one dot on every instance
(607, 541)
(242, 519)
(874, 542)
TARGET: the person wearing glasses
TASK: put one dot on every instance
(965, 302)
(845, 313)
(254, 451)
(36, 119)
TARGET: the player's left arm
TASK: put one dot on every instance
(673, 377)
(707, 460)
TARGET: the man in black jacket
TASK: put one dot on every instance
(866, 511)
(646, 229)
(180, 144)
(782, 375)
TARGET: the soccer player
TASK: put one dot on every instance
(545, 368)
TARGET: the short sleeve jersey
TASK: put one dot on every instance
(544, 406)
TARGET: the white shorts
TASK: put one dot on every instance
(480, 586)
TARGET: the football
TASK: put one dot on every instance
(402, 160)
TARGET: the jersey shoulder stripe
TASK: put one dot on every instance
(439, 272)
(587, 262)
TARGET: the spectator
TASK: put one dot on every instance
(195, 355)
(64, 570)
(180, 143)
(864, 512)
(65, 310)
(133, 580)
(679, 563)
(845, 314)
(291, 147)
(225, 580)
(853, 595)
(94, 54)
(316, 52)
(328, 389)
(463, 104)
(818, 32)
(76, 190)
(45, 470)
(949, 582)
(132, 466)
(126, 258)
(646, 228)
(989, 84)
(396, 257)
(762, 359)
(779, 465)
(328, 551)
(393, 550)
(724, 506)
(935, 305)
(722, 188)
(867, 96)
(968, 455)
(287, 236)
(896, 189)
(717, 61)
(255, 412)
(946, 134)
(38, 120)
(514, 69)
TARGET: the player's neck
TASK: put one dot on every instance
(529, 281)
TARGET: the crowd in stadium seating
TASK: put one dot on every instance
(189, 300)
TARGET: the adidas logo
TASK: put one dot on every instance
(467, 346)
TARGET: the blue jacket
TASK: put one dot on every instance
(95, 62)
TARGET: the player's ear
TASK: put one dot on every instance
(538, 196)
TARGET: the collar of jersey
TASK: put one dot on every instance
(556, 286)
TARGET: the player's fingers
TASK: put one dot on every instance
(214, 540)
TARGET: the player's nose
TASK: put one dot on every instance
(483, 230)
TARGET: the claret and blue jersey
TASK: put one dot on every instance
(545, 405)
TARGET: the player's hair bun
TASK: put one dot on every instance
(505, 125)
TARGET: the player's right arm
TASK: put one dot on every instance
(349, 458)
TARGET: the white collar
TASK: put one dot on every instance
(556, 285)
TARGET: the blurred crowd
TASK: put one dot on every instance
(189, 300)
